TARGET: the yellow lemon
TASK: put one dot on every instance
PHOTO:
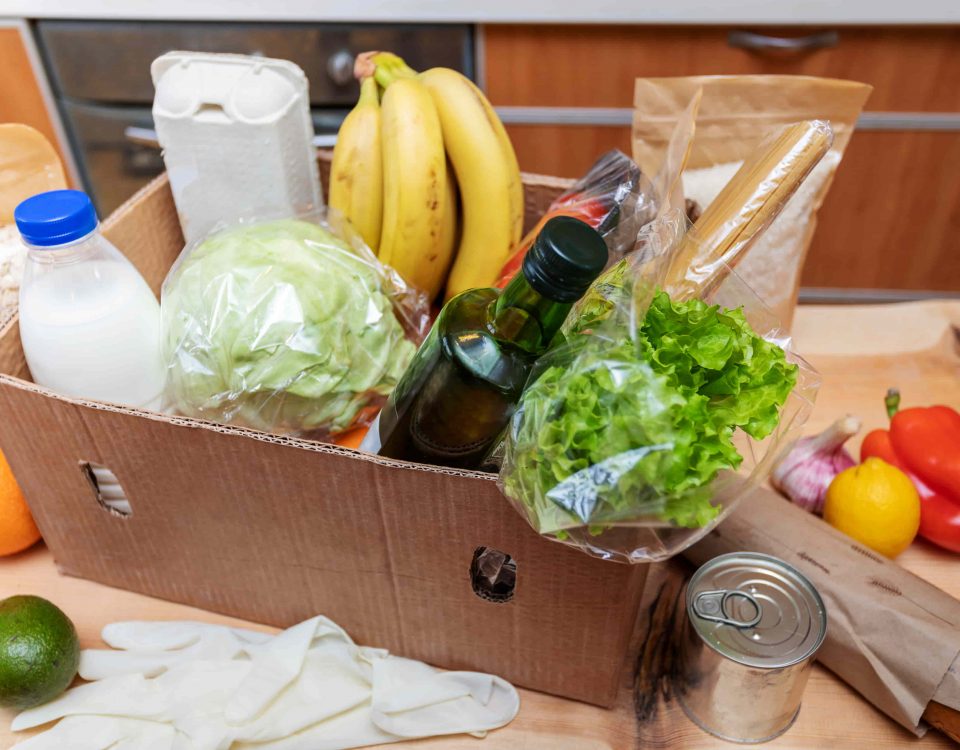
(876, 504)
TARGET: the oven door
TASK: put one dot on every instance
(119, 153)
(100, 73)
(113, 166)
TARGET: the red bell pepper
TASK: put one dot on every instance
(929, 441)
(924, 443)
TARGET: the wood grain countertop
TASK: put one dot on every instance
(860, 352)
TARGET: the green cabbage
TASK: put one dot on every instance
(279, 326)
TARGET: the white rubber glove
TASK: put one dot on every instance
(151, 649)
(193, 686)
(104, 733)
(412, 699)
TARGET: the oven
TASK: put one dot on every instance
(100, 75)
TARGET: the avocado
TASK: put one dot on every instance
(39, 651)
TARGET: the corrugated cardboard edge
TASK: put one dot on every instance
(264, 437)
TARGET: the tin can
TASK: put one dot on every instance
(754, 624)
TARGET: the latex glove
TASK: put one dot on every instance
(151, 648)
(127, 695)
(278, 663)
(191, 686)
(348, 730)
(170, 635)
(104, 733)
(330, 683)
(412, 699)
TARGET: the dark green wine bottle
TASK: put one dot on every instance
(466, 379)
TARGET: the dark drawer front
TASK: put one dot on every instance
(110, 61)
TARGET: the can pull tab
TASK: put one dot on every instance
(712, 605)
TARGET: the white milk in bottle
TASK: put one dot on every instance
(89, 323)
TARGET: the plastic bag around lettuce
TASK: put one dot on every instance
(638, 434)
(282, 325)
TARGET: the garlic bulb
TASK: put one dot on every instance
(807, 470)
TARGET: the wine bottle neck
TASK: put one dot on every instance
(525, 317)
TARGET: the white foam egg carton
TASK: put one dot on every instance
(236, 135)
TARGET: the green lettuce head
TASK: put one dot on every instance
(280, 326)
(633, 427)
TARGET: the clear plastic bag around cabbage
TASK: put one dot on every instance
(638, 434)
(283, 325)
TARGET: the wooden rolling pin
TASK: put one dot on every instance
(944, 718)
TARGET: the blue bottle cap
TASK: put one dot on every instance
(55, 218)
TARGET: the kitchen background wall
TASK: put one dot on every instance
(889, 227)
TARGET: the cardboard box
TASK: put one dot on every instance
(276, 529)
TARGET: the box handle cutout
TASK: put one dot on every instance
(107, 489)
(493, 575)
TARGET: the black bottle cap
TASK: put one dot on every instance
(566, 257)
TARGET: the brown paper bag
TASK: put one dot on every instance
(735, 114)
(891, 636)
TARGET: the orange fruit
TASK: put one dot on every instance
(876, 504)
(17, 529)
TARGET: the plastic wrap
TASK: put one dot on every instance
(613, 197)
(281, 325)
(638, 433)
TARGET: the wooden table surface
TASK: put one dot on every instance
(860, 351)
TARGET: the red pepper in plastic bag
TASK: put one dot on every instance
(925, 444)
(512, 266)
(598, 198)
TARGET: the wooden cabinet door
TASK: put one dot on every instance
(565, 150)
(21, 99)
(911, 69)
(892, 217)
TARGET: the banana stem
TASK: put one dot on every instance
(368, 92)
(390, 67)
(364, 66)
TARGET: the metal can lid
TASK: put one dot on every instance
(756, 610)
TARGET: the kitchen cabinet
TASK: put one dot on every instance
(21, 95)
(595, 66)
(891, 218)
(565, 150)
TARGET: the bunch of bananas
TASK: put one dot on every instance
(413, 143)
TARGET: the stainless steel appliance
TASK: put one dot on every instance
(100, 75)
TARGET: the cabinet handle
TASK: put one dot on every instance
(754, 42)
(145, 137)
